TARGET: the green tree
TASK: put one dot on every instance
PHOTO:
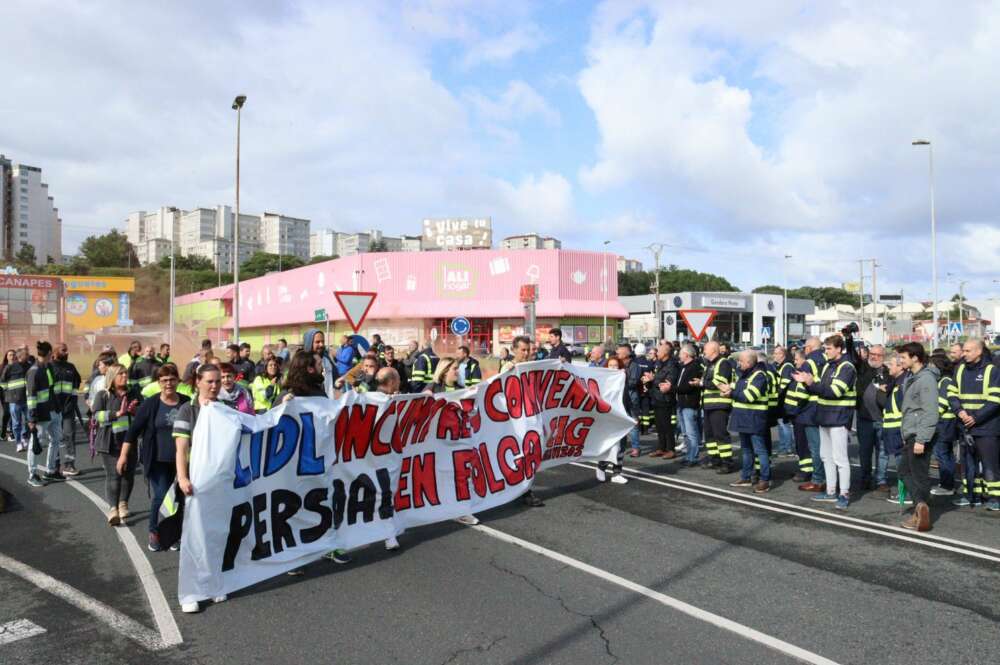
(111, 250)
(25, 257)
(262, 263)
(771, 289)
(192, 262)
(378, 246)
(672, 280)
(321, 258)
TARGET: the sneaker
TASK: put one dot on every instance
(961, 501)
(154, 543)
(176, 547)
(894, 498)
(742, 483)
(532, 501)
(842, 502)
(53, 476)
(823, 497)
(298, 572)
(993, 505)
(942, 491)
(70, 470)
(601, 475)
(619, 479)
(190, 608)
(762, 487)
(467, 520)
(977, 501)
(391, 544)
(21, 448)
(220, 599)
(338, 556)
(35, 481)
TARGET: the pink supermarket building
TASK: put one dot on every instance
(419, 293)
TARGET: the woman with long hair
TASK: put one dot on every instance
(231, 393)
(445, 377)
(154, 426)
(6, 431)
(304, 378)
(267, 385)
(113, 411)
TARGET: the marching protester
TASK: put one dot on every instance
(153, 426)
(388, 382)
(616, 466)
(663, 393)
(783, 369)
(558, 350)
(266, 353)
(245, 367)
(596, 357)
(266, 385)
(361, 377)
(797, 407)
(282, 351)
(445, 377)
(947, 427)
(521, 349)
(143, 371)
(6, 433)
(232, 393)
(163, 357)
(346, 356)
(978, 381)
(892, 421)
(44, 417)
(208, 381)
(634, 379)
(749, 419)
(834, 409)
(424, 368)
(13, 380)
(314, 341)
(919, 430)
(716, 406)
(469, 371)
(872, 380)
(390, 360)
(815, 362)
(64, 400)
(113, 410)
(688, 390)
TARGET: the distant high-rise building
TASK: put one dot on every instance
(629, 265)
(323, 243)
(280, 234)
(530, 241)
(28, 215)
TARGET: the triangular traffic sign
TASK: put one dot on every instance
(355, 305)
(697, 320)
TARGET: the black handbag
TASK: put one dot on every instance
(36, 445)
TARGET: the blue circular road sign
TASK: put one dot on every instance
(460, 326)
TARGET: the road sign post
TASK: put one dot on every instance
(460, 326)
(355, 305)
(529, 294)
(697, 320)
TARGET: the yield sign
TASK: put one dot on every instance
(355, 305)
(697, 320)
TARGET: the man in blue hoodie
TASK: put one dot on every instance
(347, 356)
(314, 340)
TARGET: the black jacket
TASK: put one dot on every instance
(67, 382)
(561, 352)
(664, 370)
(12, 381)
(144, 425)
(688, 396)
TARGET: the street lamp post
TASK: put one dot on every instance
(784, 304)
(173, 287)
(604, 288)
(237, 106)
(934, 279)
(218, 273)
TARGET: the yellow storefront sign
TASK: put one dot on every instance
(98, 302)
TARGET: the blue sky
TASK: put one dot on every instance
(734, 132)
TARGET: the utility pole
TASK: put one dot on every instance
(656, 248)
(238, 107)
(861, 294)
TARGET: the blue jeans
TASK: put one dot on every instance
(752, 446)
(692, 432)
(160, 476)
(812, 435)
(18, 421)
(785, 441)
(945, 456)
(49, 434)
(870, 445)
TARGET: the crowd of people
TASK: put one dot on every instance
(920, 410)
(940, 409)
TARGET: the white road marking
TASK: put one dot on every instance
(18, 630)
(127, 626)
(964, 548)
(170, 634)
(679, 605)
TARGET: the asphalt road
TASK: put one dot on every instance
(673, 557)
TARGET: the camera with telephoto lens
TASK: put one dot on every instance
(849, 329)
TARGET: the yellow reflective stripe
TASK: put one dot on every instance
(836, 402)
(750, 407)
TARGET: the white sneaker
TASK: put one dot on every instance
(619, 479)
(941, 491)
(601, 476)
(190, 608)
(391, 543)
(467, 520)
(21, 447)
(220, 599)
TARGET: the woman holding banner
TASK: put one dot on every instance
(446, 380)
(623, 444)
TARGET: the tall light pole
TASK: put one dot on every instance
(173, 288)
(934, 279)
(237, 106)
(604, 288)
(656, 248)
(784, 304)
(218, 273)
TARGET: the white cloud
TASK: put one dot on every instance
(543, 204)
(503, 48)
(793, 121)
(518, 102)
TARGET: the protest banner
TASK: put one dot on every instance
(276, 491)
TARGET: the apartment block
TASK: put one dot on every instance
(530, 241)
(28, 215)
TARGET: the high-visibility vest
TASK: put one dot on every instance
(947, 386)
(261, 401)
(975, 401)
(710, 393)
(758, 401)
(892, 414)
